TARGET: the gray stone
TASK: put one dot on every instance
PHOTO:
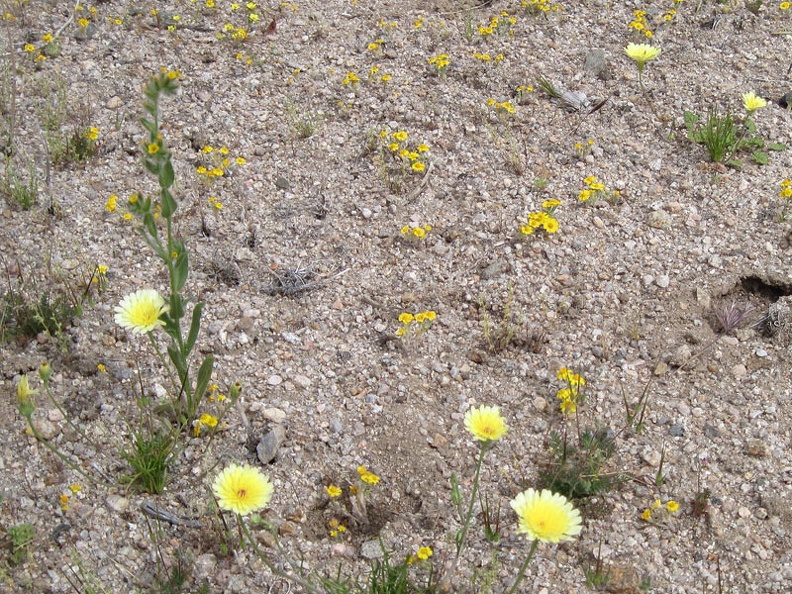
(595, 62)
(676, 431)
(282, 183)
(371, 549)
(267, 448)
(45, 428)
(117, 503)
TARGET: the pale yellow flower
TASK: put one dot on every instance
(546, 516)
(242, 489)
(485, 423)
(140, 311)
(642, 53)
(752, 102)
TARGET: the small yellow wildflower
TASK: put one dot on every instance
(101, 368)
(111, 203)
(418, 166)
(424, 553)
(485, 423)
(153, 148)
(672, 506)
(646, 515)
(333, 491)
(366, 476)
(29, 47)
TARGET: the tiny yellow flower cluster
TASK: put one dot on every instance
(376, 46)
(581, 150)
(388, 24)
(537, 6)
(233, 32)
(658, 512)
(595, 190)
(336, 528)
(500, 25)
(415, 232)
(351, 79)
(396, 143)
(639, 23)
(786, 189)
(367, 477)
(440, 62)
(522, 92)
(92, 133)
(502, 108)
(220, 163)
(542, 219)
(785, 5)
(488, 58)
(374, 72)
(572, 395)
(215, 203)
(205, 420)
(415, 325)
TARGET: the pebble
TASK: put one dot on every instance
(117, 503)
(274, 415)
(739, 370)
(756, 448)
(274, 380)
(302, 381)
(204, 565)
(44, 427)
(267, 448)
(540, 403)
(663, 281)
(371, 549)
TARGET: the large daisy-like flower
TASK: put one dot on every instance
(485, 423)
(242, 489)
(752, 102)
(641, 53)
(546, 516)
(140, 311)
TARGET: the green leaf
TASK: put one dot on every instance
(204, 375)
(195, 327)
(168, 204)
(176, 306)
(736, 163)
(151, 165)
(179, 363)
(759, 157)
(180, 269)
(690, 120)
(166, 175)
(150, 127)
(776, 146)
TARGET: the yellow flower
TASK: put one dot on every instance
(101, 368)
(430, 315)
(785, 5)
(24, 391)
(418, 166)
(140, 311)
(75, 488)
(419, 233)
(242, 489)
(646, 515)
(333, 491)
(393, 146)
(554, 203)
(406, 318)
(420, 317)
(29, 47)
(153, 148)
(240, 160)
(546, 516)
(423, 148)
(223, 150)
(672, 506)
(568, 406)
(46, 38)
(401, 136)
(208, 420)
(83, 22)
(424, 553)
(92, 133)
(485, 423)
(641, 53)
(550, 225)
(366, 476)
(110, 205)
(752, 102)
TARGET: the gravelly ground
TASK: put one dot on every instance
(624, 292)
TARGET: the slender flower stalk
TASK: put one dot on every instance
(486, 425)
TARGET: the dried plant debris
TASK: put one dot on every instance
(296, 281)
(776, 322)
(571, 101)
(732, 315)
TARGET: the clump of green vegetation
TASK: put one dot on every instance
(18, 190)
(724, 136)
(20, 539)
(577, 465)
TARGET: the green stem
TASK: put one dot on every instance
(463, 532)
(524, 566)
